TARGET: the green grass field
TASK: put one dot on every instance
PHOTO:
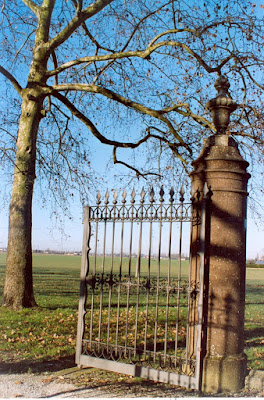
(49, 332)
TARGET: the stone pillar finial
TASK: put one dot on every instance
(222, 105)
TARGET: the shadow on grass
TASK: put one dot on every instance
(254, 295)
(255, 333)
(13, 366)
(58, 307)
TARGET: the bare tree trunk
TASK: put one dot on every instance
(18, 290)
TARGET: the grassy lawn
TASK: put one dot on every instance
(46, 336)
(254, 318)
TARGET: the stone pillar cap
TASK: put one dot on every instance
(222, 105)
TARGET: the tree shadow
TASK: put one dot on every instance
(253, 337)
(36, 366)
(130, 387)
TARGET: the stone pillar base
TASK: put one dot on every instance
(224, 374)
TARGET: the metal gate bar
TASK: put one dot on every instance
(134, 316)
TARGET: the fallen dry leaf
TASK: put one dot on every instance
(46, 380)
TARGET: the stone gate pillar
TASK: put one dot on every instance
(222, 167)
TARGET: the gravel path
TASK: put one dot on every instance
(29, 385)
(73, 383)
(41, 386)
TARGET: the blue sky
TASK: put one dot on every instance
(67, 235)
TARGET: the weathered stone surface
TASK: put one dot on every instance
(255, 380)
(222, 167)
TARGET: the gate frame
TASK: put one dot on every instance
(190, 382)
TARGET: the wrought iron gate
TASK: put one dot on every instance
(140, 309)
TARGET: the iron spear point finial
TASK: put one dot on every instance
(222, 105)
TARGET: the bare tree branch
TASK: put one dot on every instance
(12, 79)
(78, 8)
(170, 31)
(138, 173)
(140, 22)
(128, 103)
(55, 63)
(33, 6)
(173, 146)
(249, 74)
(77, 113)
(114, 143)
(252, 137)
(141, 54)
(78, 5)
(77, 21)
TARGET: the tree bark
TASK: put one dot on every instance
(18, 289)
